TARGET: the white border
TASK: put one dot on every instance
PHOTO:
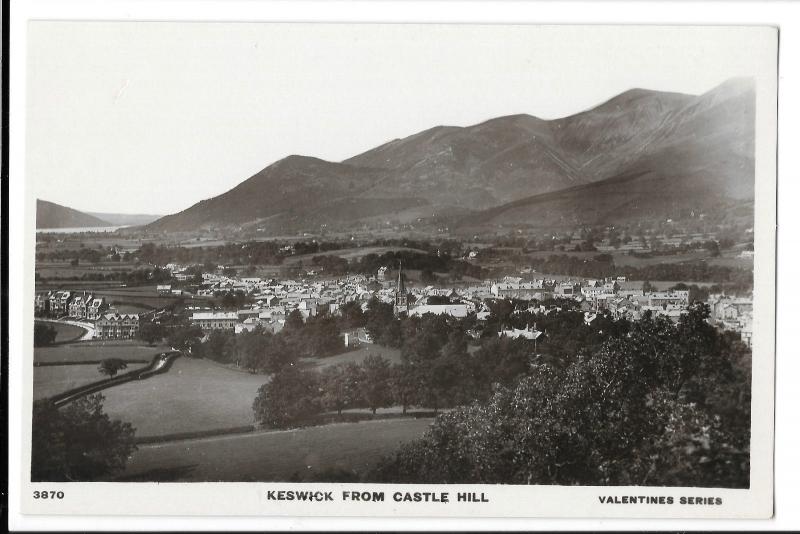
(785, 15)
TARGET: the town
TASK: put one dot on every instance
(266, 303)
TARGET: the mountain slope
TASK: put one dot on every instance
(667, 149)
(52, 215)
(701, 156)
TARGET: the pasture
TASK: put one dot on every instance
(300, 454)
(49, 380)
(95, 351)
(194, 395)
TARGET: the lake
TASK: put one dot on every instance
(79, 230)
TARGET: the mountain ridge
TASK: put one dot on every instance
(702, 144)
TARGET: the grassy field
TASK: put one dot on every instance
(66, 332)
(95, 351)
(53, 379)
(357, 356)
(273, 456)
(195, 395)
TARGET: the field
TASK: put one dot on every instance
(357, 356)
(66, 332)
(195, 395)
(53, 379)
(273, 456)
(96, 351)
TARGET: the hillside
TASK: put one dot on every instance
(638, 152)
(700, 158)
(51, 215)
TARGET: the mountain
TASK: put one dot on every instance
(639, 151)
(126, 219)
(700, 157)
(51, 215)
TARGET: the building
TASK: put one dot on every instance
(95, 308)
(164, 289)
(516, 333)
(41, 303)
(79, 305)
(400, 294)
(215, 320)
(382, 274)
(453, 310)
(117, 326)
(59, 303)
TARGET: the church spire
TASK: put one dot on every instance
(401, 285)
(400, 295)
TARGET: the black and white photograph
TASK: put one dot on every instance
(386, 258)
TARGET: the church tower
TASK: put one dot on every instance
(400, 294)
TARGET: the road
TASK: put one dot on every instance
(160, 364)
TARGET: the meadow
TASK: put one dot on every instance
(299, 454)
(94, 351)
(194, 395)
(49, 380)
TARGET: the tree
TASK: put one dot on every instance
(339, 385)
(403, 384)
(185, 338)
(78, 442)
(111, 366)
(151, 332)
(352, 316)
(43, 334)
(294, 321)
(290, 399)
(375, 383)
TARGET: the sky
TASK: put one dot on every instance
(143, 117)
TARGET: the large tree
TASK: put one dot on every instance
(43, 334)
(111, 366)
(290, 399)
(78, 442)
(375, 383)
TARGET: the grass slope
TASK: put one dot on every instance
(195, 395)
(273, 456)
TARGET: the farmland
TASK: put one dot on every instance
(275, 455)
(50, 380)
(195, 395)
(95, 351)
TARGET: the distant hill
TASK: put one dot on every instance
(126, 219)
(51, 215)
(641, 150)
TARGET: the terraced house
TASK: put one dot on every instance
(117, 326)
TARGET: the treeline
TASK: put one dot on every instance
(136, 277)
(663, 405)
(602, 265)
(423, 261)
(248, 253)
(438, 369)
(258, 351)
(85, 254)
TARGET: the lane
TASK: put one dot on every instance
(160, 364)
